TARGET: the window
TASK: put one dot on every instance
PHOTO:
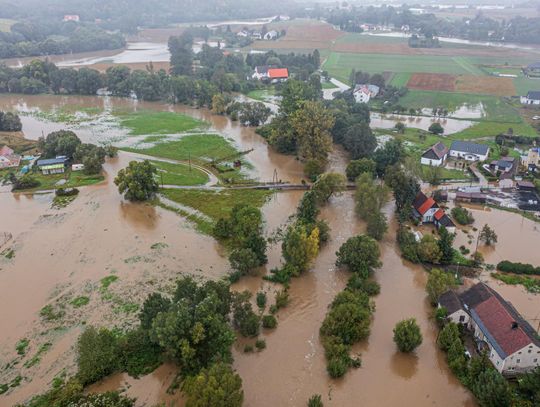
(530, 351)
(461, 318)
(535, 360)
(519, 360)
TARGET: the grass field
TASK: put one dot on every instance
(496, 109)
(262, 95)
(176, 174)
(400, 79)
(214, 205)
(199, 147)
(74, 179)
(148, 122)
(340, 65)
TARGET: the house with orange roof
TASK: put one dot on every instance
(267, 73)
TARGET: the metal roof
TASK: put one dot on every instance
(468, 147)
(51, 161)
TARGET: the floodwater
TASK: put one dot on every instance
(63, 253)
(518, 241)
(388, 121)
(495, 44)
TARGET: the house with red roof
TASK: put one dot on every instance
(267, 73)
(426, 210)
(510, 342)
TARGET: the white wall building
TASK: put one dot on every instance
(469, 151)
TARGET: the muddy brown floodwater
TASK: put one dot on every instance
(63, 253)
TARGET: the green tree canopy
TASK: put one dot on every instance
(407, 335)
(137, 181)
(360, 254)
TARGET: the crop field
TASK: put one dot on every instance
(400, 79)
(146, 122)
(489, 85)
(429, 81)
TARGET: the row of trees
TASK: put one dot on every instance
(349, 316)
(45, 37)
(301, 241)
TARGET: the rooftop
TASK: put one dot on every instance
(439, 150)
(276, 73)
(534, 95)
(468, 147)
(450, 301)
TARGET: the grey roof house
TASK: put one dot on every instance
(469, 151)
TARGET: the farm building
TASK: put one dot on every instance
(435, 155)
(525, 186)
(426, 210)
(511, 343)
(471, 197)
(364, 93)
(469, 151)
(8, 158)
(266, 73)
(52, 166)
(506, 180)
(532, 98)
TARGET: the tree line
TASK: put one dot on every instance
(517, 29)
(30, 38)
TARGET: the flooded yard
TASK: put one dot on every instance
(388, 121)
(62, 254)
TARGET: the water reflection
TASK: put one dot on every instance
(404, 365)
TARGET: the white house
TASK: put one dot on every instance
(469, 151)
(271, 35)
(242, 33)
(364, 93)
(510, 342)
(532, 98)
(436, 155)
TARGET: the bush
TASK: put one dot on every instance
(315, 401)
(25, 182)
(98, 355)
(260, 344)
(261, 299)
(462, 216)
(407, 335)
(269, 321)
(282, 299)
(518, 268)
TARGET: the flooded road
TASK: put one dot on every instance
(61, 254)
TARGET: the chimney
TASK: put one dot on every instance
(514, 325)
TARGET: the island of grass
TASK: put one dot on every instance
(209, 206)
(150, 122)
(70, 179)
(262, 95)
(179, 174)
(208, 150)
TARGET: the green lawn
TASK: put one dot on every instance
(149, 122)
(328, 85)
(199, 147)
(491, 129)
(400, 79)
(261, 95)
(524, 85)
(176, 174)
(214, 205)
(74, 179)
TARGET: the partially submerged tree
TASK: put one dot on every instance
(137, 181)
(487, 235)
(407, 335)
